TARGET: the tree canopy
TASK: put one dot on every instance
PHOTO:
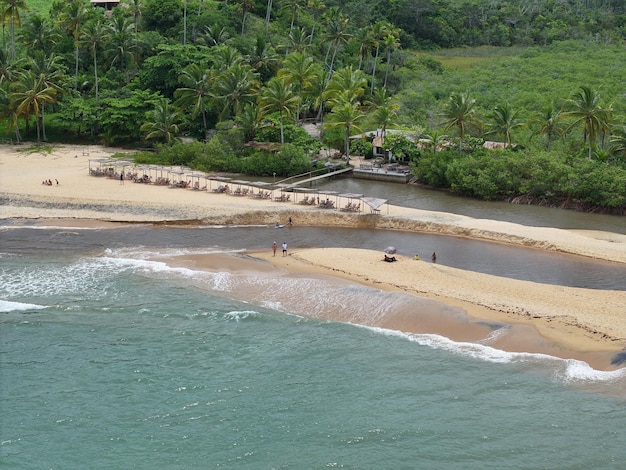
(154, 70)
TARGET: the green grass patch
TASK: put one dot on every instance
(39, 6)
(38, 148)
(468, 57)
(458, 63)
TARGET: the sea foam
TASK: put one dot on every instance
(8, 306)
(566, 370)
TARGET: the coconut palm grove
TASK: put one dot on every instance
(515, 100)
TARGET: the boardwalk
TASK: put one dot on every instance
(320, 177)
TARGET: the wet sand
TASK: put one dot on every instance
(565, 322)
(451, 303)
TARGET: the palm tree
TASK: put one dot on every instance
(293, 7)
(348, 116)
(93, 36)
(299, 70)
(39, 34)
(212, 36)
(391, 42)
(548, 123)
(196, 92)
(249, 120)
(317, 6)
(235, 87)
(618, 141)
(385, 116)
(503, 121)
(297, 41)
(162, 123)
(379, 31)
(73, 17)
(135, 7)
(227, 56)
(120, 48)
(337, 34)
(263, 59)
(268, 15)
(317, 92)
(460, 112)
(51, 72)
(8, 69)
(434, 140)
(185, 22)
(585, 109)
(8, 111)
(278, 96)
(346, 85)
(11, 11)
(365, 40)
(380, 97)
(246, 6)
(29, 95)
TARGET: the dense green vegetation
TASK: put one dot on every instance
(239, 77)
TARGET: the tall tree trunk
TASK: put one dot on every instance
(76, 73)
(18, 136)
(387, 69)
(38, 129)
(95, 74)
(374, 70)
(43, 122)
(12, 32)
(268, 15)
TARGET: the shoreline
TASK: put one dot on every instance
(564, 320)
(569, 322)
(438, 309)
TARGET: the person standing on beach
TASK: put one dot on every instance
(274, 246)
(122, 178)
(284, 248)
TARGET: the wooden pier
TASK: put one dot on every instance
(312, 180)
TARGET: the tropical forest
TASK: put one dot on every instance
(511, 100)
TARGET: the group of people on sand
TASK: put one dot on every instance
(275, 247)
(391, 259)
(49, 182)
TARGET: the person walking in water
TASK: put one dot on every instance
(284, 248)
(274, 246)
(434, 257)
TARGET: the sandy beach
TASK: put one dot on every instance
(563, 321)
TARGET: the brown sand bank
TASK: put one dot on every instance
(574, 319)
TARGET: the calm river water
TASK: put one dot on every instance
(410, 195)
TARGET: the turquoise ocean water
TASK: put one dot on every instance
(109, 360)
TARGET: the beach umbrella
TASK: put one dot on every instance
(179, 174)
(390, 250)
(351, 196)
